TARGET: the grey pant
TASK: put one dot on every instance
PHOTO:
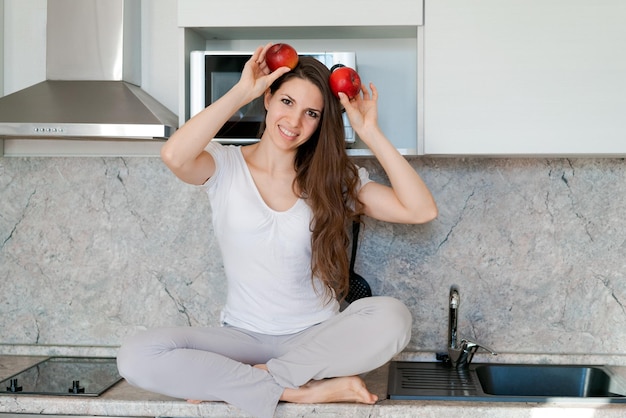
(215, 363)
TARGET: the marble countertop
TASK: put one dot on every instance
(122, 400)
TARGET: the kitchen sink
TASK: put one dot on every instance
(506, 382)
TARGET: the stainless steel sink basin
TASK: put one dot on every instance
(506, 383)
(545, 380)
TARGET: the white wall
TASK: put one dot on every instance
(1, 47)
(159, 73)
(24, 43)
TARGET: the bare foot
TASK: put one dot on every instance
(339, 389)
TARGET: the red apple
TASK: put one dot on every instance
(281, 55)
(345, 80)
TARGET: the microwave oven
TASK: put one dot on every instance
(213, 73)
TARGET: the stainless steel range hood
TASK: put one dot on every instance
(93, 70)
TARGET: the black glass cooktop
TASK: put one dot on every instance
(67, 376)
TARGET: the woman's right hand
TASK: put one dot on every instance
(256, 76)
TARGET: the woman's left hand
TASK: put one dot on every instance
(362, 110)
(408, 200)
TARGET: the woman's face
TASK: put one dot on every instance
(293, 113)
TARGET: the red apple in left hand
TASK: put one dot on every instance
(281, 55)
(345, 80)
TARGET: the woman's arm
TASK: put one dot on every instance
(184, 152)
(408, 200)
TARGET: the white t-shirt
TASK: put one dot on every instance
(266, 253)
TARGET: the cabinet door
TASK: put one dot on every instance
(525, 77)
(288, 13)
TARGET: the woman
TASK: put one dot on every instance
(280, 209)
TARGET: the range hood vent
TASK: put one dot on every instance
(93, 74)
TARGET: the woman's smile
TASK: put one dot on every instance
(287, 133)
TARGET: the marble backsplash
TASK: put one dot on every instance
(95, 249)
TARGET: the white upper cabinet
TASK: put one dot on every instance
(525, 77)
(282, 13)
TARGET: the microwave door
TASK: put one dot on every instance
(243, 126)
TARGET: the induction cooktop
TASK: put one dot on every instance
(67, 376)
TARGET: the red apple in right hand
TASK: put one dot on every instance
(345, 80)
(281, 55)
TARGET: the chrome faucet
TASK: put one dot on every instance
(459, 353)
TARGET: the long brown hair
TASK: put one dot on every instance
(328, 180)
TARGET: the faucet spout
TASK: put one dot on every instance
(453, 306)
(460, 353)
